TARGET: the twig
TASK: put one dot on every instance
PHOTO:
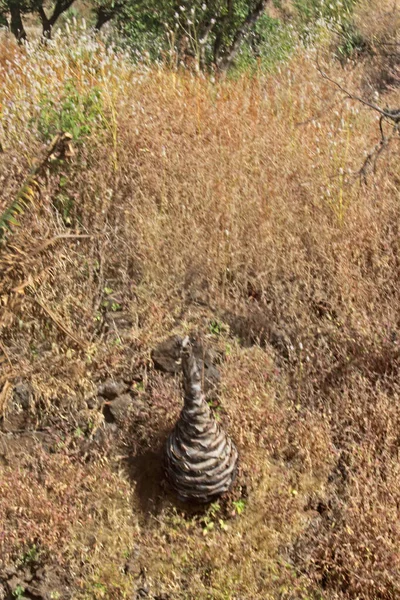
(374, 154)
(61, 236)
(6, 354)
(53, 317)
(3, 395)
(390, 113)
(19, 289)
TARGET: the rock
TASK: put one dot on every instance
(10, 570)
(111, 427)
(110, 389)
(118, 411)
(15, 583)
(121, 407)
(23, 394)
(133, 568)
(92, 402)
(27, 574)
(167, 358)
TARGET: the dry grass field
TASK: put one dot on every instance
(234, 211)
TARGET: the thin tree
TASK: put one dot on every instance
(17, 8)
(48, 21)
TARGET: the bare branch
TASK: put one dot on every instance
(389, 114)
(392, 114)
(374, 154)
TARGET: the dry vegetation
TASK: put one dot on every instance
(232, 210)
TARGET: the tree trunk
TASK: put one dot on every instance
(104, 14)
(46, 27)
(49, 22)
(103, 17)
(16, 24)
(224, 60)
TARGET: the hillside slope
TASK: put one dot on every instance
(233, 211)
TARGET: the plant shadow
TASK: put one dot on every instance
(145, 469)
(151, 488)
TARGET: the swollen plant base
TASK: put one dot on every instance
(200, 459)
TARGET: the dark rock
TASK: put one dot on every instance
(15, 583)
(28, 575)
(110, 389)
(10, 570)
(111, 427)
(121, 407)
(92, 402)
(133, 567)
(46, 581)
(23, 394)
(166, 357)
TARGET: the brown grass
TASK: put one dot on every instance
(234, 203)
(379, 25)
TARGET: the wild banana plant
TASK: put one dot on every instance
(26, 194)
(200, 459)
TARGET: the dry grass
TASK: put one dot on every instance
(234, 203)
(379, 26)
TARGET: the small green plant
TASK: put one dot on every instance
(75, 112)
(19, 592)
(99, 590)
(211, 518)
(31, 555)
(64, 205)
(239, 505)
(139, 386)
(216, 328)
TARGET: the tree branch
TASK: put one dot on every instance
(225, 61)
(389, 114)
(49, 22)
(105, 14)
(60, 7)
